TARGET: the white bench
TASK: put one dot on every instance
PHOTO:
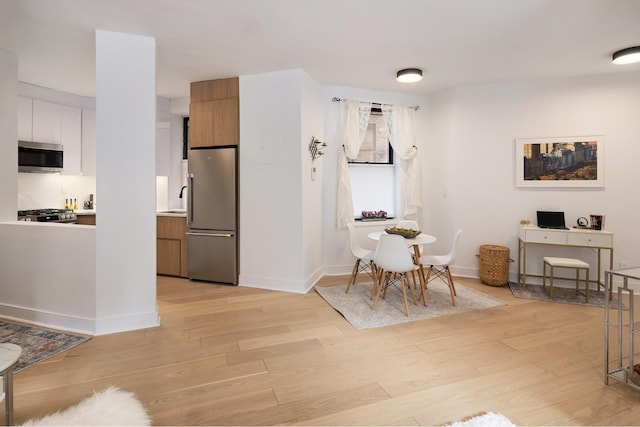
(572, 263)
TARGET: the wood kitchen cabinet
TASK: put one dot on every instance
(214, 116)
(88, 219)
(171, 251)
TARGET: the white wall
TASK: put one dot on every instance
(312, 180)
(274, 110)
(467, 136)
(482, 196)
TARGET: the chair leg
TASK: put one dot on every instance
(354, 275)
(381, 283)
(551, 282)
(587, 283)
(452, 288)
(423, 291)
(404, 293)
(413, 277)
(376, 279)
(389, 276)
(413, 294)
(453, 285)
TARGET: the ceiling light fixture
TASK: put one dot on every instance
(409, 75)
(627, 56)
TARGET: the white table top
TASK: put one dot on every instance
(9, 354)
(420, 239)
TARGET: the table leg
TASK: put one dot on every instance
(524, 265)
(607, 277)
(519, 259)
(8, 396)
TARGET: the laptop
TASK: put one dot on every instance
(550, 219)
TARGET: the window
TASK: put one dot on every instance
(375, 148)
(373, 180)
(185, 138)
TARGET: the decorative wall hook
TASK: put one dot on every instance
(315, 148)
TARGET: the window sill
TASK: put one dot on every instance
(385, 222)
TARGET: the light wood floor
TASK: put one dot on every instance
(238, 356)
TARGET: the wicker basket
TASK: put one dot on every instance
(494, 265)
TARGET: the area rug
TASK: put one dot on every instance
(565, 295)
(37, 343)
(489, 419)
(355, 306)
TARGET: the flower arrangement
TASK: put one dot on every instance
(374, 214)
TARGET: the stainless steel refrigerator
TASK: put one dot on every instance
(212, 215)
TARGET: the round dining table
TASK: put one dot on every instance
(420, 239)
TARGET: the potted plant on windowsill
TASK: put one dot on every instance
(373, 215)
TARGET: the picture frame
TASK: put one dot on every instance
(552, 162)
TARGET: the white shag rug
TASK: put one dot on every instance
(486, 420)
(110, 407)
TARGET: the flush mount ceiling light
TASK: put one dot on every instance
(409, 75)
(627, 56)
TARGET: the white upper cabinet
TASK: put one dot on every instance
(71, 139)
(46, 122)
(58, 124)
(25, 118)
(88, 142)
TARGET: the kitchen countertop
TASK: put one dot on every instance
(173, 212)
(169, 212)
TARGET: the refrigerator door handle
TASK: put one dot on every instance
(190, 198)
(189, 233)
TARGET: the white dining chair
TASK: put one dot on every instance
(364, 258)
(411, 224)
(393, 262)
(437, 266)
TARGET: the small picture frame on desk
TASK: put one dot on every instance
(560, 162)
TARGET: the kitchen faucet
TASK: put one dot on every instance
(181, 190)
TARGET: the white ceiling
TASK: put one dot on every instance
(355, 43)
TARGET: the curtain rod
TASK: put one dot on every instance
(336, 99)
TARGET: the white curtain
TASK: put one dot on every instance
(354, 118)
(400, 122)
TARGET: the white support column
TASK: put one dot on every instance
(8, 135)
(125, 182)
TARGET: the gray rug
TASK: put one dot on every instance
(566, 295)
(37, 343)
(356, 305)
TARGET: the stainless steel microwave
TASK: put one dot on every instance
(39, 157)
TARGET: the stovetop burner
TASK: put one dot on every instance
(47, 215)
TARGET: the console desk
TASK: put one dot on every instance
(574, 237)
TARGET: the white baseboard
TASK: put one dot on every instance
(81, 325)
(45, 319)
